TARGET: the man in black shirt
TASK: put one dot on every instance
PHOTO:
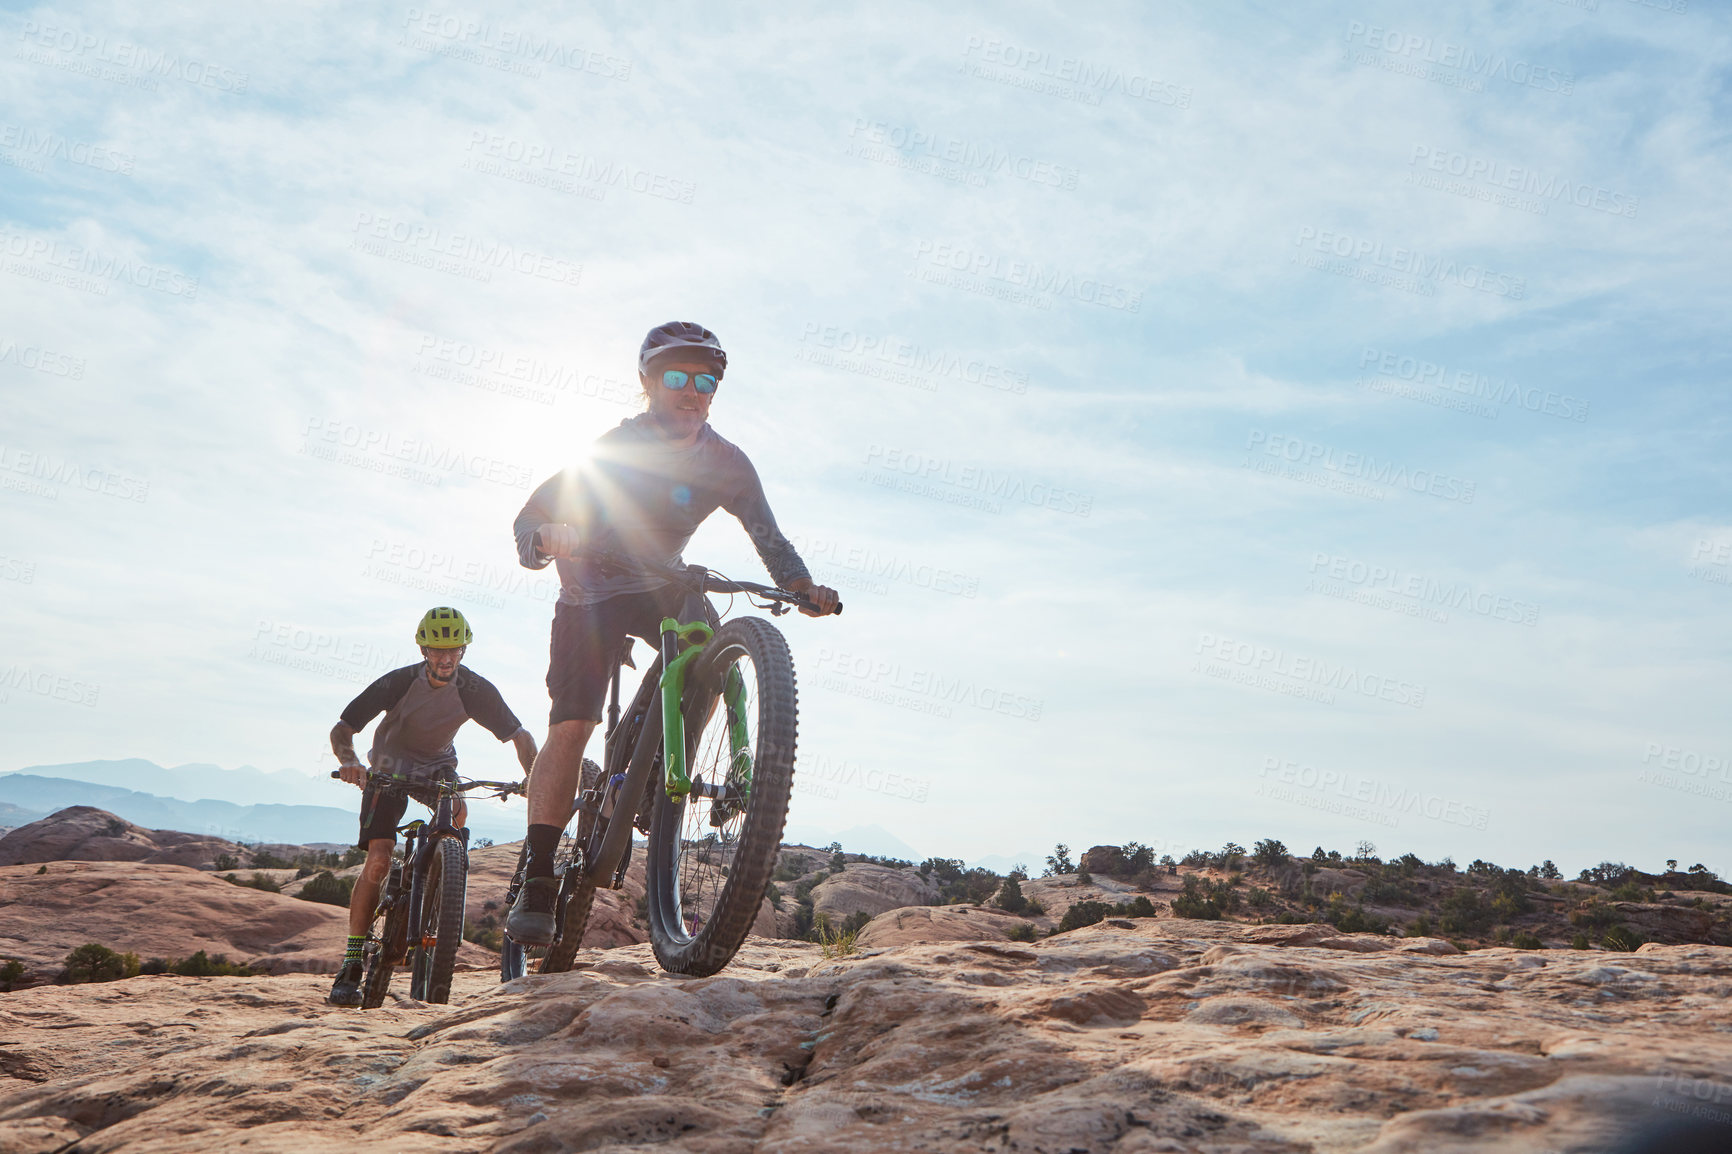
(424, 706)
(645, 489)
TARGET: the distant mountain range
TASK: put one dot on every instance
(274, 807)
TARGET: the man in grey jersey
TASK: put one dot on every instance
(646, 488)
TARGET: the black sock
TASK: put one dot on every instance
(543, 842)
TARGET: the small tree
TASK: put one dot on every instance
(11, 974)
(1365, 851)
(1010, 896)
(1059, 862)
(327, 888)
(94, 963)
(1269, 853)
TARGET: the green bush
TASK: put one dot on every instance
(226, 861)
(95, 963)
(256, 882)
(1524, 940)
(1621, 938)
(1059, 861)
(1196, 902)
(1258, 898)
(1011, 898)
(328, 888)
(200, 966)
(11, 973)
(1089, 913)
(1021, 933)
(1579, 942)
(1464, 911)
(1269, 853)
(485, 933)
(270, 861)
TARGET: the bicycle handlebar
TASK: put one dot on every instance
(713, 582)
(461, 785)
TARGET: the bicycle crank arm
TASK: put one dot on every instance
(617, 840)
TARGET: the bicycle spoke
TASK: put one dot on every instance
(710, 826)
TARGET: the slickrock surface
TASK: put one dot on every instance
(85, 833)
(1128, 1036)
(168, 911)
(872, 888)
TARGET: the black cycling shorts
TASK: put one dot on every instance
(382, 806)
(588, 641)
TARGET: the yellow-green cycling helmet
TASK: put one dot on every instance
(443, 628)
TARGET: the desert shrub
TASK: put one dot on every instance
(1546, 871)
(154, 966)
(1621, 938)
(1409, 863)
(1168, 864)
(1022, 933)
(1509, 894)
(305, 871)
(1366, 852)
(774, 893)
(225, 862)
(1632, 891)
(115, 827)
(1607, 873)
(974, 887)
(1084, 877)
(200, 966)
(1059, 861)
(1421, 927)
(263, 860)
(92, 962)
(1464, 911)
(256, 882)
(1389, 893)
(1480, 868)
(1269, 853)
(1197, 859)
(1258, 898)
(1593, 915)
(1011, 898)
(1195, 902)
(1523, 940)
(11, 973)
(1083, 914)
(485, 933)
(1139, 858)
(1354, 919)
(327, 888)
(1579, 942)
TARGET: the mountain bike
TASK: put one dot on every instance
(422, 899)
(702, 761)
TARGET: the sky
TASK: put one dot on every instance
(1301, 421)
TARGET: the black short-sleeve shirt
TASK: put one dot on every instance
(421, 720)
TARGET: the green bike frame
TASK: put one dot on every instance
(695, 636)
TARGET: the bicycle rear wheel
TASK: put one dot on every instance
(576, 890)
(442, 900)
(711, 855)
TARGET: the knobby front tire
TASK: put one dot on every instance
(441, 924)
(707, 878)
(393, 942)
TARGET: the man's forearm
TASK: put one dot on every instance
(343, 744)
(525, 749)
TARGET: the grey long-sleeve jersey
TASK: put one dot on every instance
(639, 496)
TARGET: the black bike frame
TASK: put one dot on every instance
(420, 842)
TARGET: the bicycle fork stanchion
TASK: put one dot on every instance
(696, 635)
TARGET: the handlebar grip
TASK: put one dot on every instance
(337, 774)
